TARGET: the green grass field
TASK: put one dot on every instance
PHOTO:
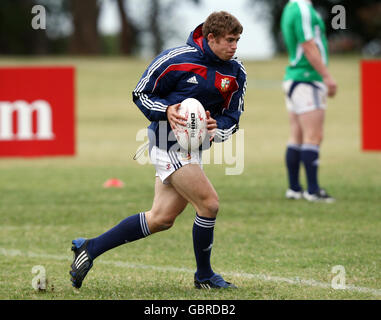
(271, 248)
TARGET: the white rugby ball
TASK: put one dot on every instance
(191, 136)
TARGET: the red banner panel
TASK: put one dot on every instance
(371, 104)
(37, 116)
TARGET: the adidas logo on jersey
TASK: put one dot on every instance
(192, 80)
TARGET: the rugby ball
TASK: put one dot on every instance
(191, 136)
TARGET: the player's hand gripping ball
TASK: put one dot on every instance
(191, 136)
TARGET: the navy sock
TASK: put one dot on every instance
(130, 229)
(310, 158)
(203, 230)
(293, 165)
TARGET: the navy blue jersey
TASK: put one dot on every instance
(191, 71)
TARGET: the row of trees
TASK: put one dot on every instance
(72, 25)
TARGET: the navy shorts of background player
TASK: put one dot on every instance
(192, 71)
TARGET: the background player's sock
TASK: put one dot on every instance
(293, 165)
(203, 230)
(310, 158)
(128, 230)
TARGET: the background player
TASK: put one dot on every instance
(307, 83)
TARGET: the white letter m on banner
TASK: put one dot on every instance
(25, 120)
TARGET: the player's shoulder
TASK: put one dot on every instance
(178, 53)
(238, 65)
(172, 56)
(297, 8)
(292, 8)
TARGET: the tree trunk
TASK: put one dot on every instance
(85, 39)
(127, 38)
(154, 27)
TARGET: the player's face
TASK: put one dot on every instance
(224, 47)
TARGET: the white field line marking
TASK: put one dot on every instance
(263, 277)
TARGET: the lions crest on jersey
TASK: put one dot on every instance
(227, 86)
(225, 82)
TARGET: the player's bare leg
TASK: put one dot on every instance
(167, 205)
(192, 183)
(312, 126)
(296, 132)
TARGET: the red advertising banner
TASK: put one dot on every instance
(371, 104)
(37, 116)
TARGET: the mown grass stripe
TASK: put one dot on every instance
(262, 277)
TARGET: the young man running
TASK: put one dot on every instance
(204, 69)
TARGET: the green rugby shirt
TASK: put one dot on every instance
(301, 22)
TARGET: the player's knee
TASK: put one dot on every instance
(165, 224)
(320, 139)
(314, 139)
(162, 223)
(157, 222)
(210, 207)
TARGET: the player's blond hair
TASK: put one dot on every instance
(220, 24)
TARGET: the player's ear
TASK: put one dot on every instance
(210, 37)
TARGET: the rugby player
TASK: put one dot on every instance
(205, 69)
(307, 83)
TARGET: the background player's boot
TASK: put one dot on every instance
(214, 282)
(320, 196)
(294, 195)
(82, 262)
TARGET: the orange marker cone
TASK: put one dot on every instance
(113, 183)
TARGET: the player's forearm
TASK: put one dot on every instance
(227, 125)
(313, 55)
(154, 109)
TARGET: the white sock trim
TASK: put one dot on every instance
(204, 223)
(143, 224)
